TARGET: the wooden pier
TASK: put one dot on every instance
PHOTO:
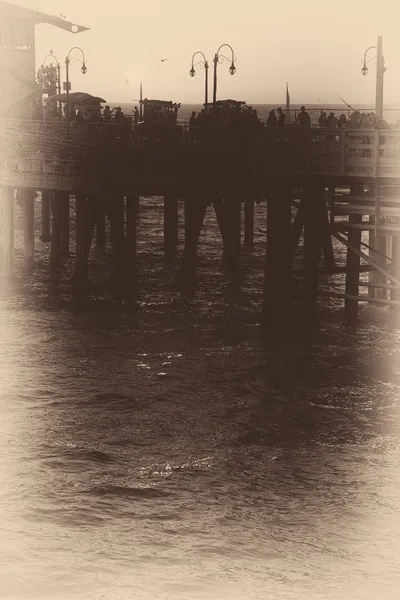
(319, 185)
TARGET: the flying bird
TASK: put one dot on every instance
(162, 59)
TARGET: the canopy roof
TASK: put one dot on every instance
(13, 12)
(229, 102)
(77, 98)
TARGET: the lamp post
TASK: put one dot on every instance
(380, 69)
(192, 72)
(218, 58)
(67, 84)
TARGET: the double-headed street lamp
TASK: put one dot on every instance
(67, 84)
(380, 69)
(218, 59)
(192, 72)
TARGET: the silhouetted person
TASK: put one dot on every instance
(303, 119)
(136, 115)
(332, 121)
(41, 75)
(322, 119)
(107, 114)
(342, 123)
(272, 121)
(281, 118)
(119, 115)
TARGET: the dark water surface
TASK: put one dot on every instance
(166, 453)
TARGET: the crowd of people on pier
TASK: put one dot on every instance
(356, 120)
(47, 77)
(239, 122)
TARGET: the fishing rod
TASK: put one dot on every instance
(346, 103)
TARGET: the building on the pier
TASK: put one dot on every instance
(18, 85)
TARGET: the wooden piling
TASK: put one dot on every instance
(331, 204)
(170, 226)
(64, 242)
(132, 204)
(8, 233)
(115, 210)
(249, 222)
(395, 293)
(236, 226)
(297, 228)
(100, 226)
(56, 230)
(371, 244)
(29, 229)
(46, 216)
(353, 269)
(195, 210)
(85, 214)
(220, 213)
(327, 245)
(314, 204)
(381, 259)
(278, 258)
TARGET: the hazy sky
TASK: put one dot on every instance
(317, 47)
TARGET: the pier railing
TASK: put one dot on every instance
(54, 154)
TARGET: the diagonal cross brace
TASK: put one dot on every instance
(369, 260)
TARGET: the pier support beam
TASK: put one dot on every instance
(381, 259)
(278, 258)
(29, 230)
(170, 226)
(63, 198)
(8, 234)
(46, 216)
(220, 213)
(297, 228)
(353, 269)
(195, 210)
(236, 227)
(85, 212)
(132, 205)
(327, 245)
(115, 210)
(331, 203)
(314, 206)
(100, 226)
(249, 222)
(56, 231)
(395, 294)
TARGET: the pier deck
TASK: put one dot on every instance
(318, 185)
(94, 158)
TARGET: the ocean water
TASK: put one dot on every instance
(163, 451)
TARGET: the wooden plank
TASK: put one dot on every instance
(393, 211)
(366, 227)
